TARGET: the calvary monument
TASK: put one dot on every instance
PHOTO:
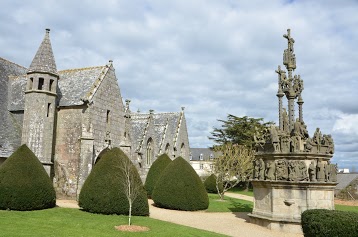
(292, 171)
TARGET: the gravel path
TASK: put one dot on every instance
(227, 223)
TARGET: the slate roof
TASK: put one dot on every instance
(207, 153)
(8, 136)
(165, 124)
(75, 84)
(344, 179)
(44, 61)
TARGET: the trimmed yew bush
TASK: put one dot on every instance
(24, 183)
(104, 192)
(322, 223)
(210, 184)
(155, 172)
(180, 188)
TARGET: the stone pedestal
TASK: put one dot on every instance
(278, 205)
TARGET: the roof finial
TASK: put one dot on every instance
(47, 30)
(182, 108)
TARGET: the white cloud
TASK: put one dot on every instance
(213, 57)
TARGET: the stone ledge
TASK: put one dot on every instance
(288, 226)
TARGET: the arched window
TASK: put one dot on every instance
(182, 150)
(150, 151)
(167, 147)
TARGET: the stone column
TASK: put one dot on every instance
(280, 94)
(300, 103)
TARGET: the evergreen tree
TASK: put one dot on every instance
(180, 188)
(104, 190)
(24, 183)
(155, 172)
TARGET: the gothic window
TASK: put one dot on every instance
(150, 151)
(41, 83)
(182, 150)
(167, 149)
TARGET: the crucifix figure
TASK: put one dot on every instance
(290, 40)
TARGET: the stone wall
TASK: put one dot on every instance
(67, 151)
(107, 114)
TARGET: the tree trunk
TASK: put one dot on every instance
(130, 212)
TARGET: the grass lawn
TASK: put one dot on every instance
(73, 222)
(228, 205)
(242, 191)
(346, 208)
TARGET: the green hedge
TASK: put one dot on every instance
(210, 184)
(155, 172)
(180, 188)
(103, 190)
(322, 223)
(24, 183)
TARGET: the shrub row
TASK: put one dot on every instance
(322, 223)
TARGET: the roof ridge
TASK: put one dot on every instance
(80, 69)
(12, 62)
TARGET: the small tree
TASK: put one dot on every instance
(130, 184)
(232, 166)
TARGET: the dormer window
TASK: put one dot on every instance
(201, 157)
(211, 156)
(190, 157)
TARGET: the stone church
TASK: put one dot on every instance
(69, 117)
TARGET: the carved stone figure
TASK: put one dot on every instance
(312, 172)
(302, 174)
(333, 172)
(258, 138)
(270, 170)
(261, 169)
(317, 137)
(309, 145)
(281, 170)
(285, 143)
(275, 138)
(327, 172)
(295, 143)
(293, 170)
(320, 172)
(286, 125)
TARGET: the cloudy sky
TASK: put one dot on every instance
(212, 57)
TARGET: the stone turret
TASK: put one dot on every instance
(40, 104)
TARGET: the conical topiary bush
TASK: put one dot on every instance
(104, 192)
(155, 172)
(180, 188)
(210, 184)
(24, 183)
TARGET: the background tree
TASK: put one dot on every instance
(238, 130)
(232, 166)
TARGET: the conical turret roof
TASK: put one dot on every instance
(44, 61)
